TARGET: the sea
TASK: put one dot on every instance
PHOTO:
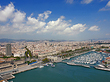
(63, 73)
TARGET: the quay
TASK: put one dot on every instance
(7, 75)
(78, 65)
(100, 68)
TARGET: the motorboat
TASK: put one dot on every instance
(100, 65)
(41, 66)
(52, 65)
(47, 65)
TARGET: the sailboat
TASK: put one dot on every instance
(41, 66)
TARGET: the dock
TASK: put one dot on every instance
(7, 76)
(78, 65)
(100, 68)
(10, 74)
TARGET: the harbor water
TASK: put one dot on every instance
(64, 73)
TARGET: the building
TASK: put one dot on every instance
(1, 79)
(8, 50)
(52, 58)
(107, 60)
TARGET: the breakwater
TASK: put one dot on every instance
(100, 68)
(78, 65)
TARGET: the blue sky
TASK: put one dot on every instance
(55, 19)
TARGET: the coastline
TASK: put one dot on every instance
(10, 74)
(33, 66)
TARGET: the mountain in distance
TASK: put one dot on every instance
(13, 40)
(6, 40)
(100, 39)
(20, 40)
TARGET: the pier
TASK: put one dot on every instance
(9, 74)
(78, 65)
(6, 76)
(100, 68)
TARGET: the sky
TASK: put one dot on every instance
(54, 19)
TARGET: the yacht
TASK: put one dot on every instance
(41, 66)
(100, 65)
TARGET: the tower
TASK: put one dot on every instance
(8, 50)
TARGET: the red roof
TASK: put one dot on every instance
(108, 58)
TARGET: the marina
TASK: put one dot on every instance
(63, 73)
(93, 58)
(90, 58)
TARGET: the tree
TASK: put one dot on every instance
(28, 52)
(45, 60)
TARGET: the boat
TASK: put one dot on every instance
(47, 65)
(72, 60)
(41, 66)
(93, 62)
(101, 65)
(52, 65)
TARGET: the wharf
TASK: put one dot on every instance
(7, 76)
(100, 68)
(25, 69)
(78, 65)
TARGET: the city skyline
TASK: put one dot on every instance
(57, 20)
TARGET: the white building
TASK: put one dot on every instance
(52, 58)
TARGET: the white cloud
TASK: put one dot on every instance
(31, 25)
(75, 29)
(4, 29)
(60, 26)
(19, 17)
(106, 8)
(35, 22)
(69, 1)
(18, 23)
(44, 15)
(86, 1)
(108, 4)
(94, 28)
(55, 26)
(6, 12)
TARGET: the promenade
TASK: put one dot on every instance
(6, 75)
